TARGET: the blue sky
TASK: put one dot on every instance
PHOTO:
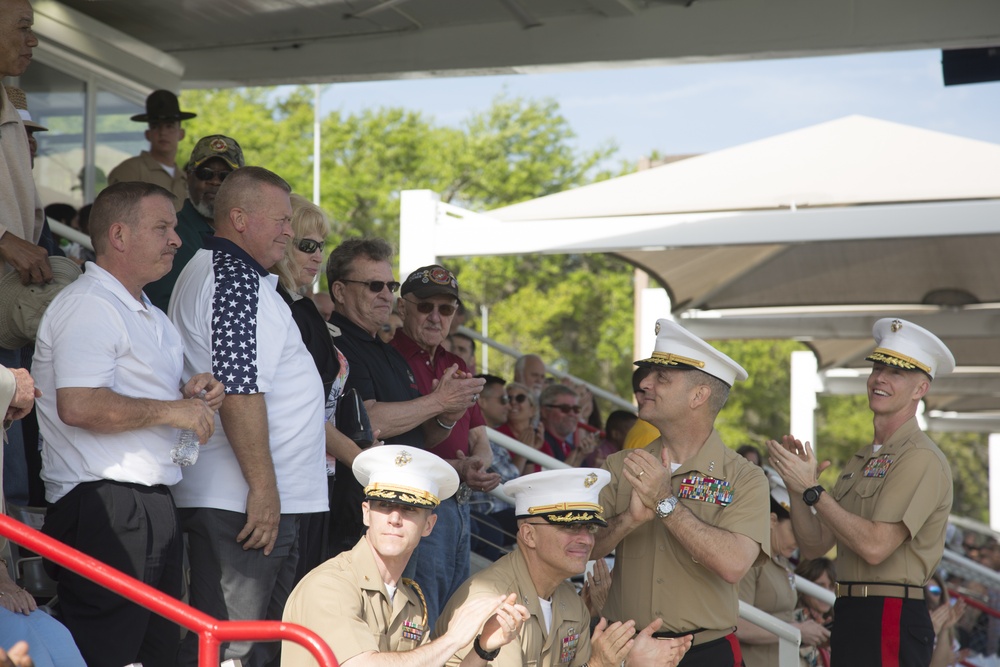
(701, 108)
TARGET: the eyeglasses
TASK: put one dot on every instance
(375, 286)
(309, 246)
(517, 398)
(426, 307)
(934, 589)
(206, 174)
(565, 409)
(572, 528)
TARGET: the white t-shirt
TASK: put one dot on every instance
(95, 334)
(233, 321)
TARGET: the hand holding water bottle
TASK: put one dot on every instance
(198, 418)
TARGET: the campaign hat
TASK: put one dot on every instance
(161, 106)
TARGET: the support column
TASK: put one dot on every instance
(994, 490)
(805, 384)
(417, 230)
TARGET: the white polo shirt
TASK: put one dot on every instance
(234, 322)
(95, 334)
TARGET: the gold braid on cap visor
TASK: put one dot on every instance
(401, 494)
(669, 359)
(887, 356)
(574, 512)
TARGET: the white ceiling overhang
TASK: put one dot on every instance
(265, 42)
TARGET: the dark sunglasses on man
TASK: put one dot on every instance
(374, 286)
(565, 409)
(426, 308)
(206, 174)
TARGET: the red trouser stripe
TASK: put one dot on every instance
(737, 653)
(892, 609)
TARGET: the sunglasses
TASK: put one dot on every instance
(934, 589)
(565, 409)
(517, 398)
(206, 174)
(308, 246)
(375, 286)
(426, 308)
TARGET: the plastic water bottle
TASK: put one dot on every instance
(185, 452)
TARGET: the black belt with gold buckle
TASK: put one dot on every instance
(859, 589)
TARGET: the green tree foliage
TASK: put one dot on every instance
(967, 454)
(758, 408)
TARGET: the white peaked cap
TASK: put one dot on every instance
(905, 345)
(560, 496)
(405, 475)
(676, 347)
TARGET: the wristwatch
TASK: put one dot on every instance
(483, 653)
(811, 495)
(665, 507)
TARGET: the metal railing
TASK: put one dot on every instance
(512, 352)
(969, 569)
(211, 632)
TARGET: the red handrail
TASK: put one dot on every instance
(210, 631)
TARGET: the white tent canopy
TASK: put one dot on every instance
(845, 162)
(861, 216)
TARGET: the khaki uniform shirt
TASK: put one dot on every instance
(21, 212)
(654, 575)
(145, 168)
(568, 642)
(768, 588)
(345, 602)
(907, 480)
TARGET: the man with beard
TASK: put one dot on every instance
(214, 157)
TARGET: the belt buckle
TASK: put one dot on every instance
(851, 590)
(463, 494)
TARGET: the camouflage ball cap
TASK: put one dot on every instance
(220, 146)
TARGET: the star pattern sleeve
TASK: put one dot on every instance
(234, 324)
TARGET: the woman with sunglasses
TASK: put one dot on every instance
(296, 273)
(522, 424)
(944, 615)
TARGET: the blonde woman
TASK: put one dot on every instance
(296, 272)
